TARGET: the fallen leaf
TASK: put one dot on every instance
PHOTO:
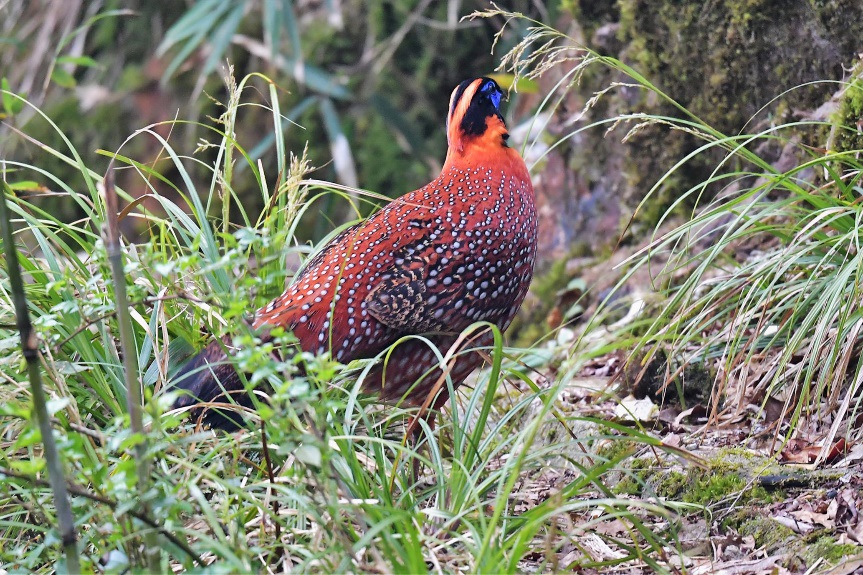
(800, 451)
(793, 524)
(811, 517)
(695, 411)
(768, 565)
(631, 409)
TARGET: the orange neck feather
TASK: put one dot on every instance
(487, 149)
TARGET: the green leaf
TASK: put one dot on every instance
(26, 186)
(63, 78)
(55, 405)
(200, 17)
(12, 103)
(28, 466)
(85, 61)
(192, 28)
(220, 39)
(164, 268)
(309, 454)
(15, 409)
(132, 440)
(30, 436)
(343, 159)
(315, 78)
(291, 27)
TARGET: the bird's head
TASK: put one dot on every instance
(474, 116)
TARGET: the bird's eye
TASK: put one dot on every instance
(489, 86)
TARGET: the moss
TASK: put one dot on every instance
(726, 479)
(672, 484)
(640, 470)
(644, 475)
(770, 535)
(592, 14)
(766, 532)
(847, 134)
(729, 473)
(748, 52)
(827, 548)
(712, 487)
(616, 448)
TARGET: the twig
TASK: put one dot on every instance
(111, 232)
(280, 550)
(30, 349)
(91, 433)
(82, 492)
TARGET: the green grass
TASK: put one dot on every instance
(794, 303)
(763, 281)
(323, 481)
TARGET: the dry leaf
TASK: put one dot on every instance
(631, 409)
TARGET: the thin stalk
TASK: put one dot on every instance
(130, 359)
(229, 119)
(29, 346)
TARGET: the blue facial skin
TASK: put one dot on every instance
(494, 95)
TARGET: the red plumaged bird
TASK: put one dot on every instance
(457, 251)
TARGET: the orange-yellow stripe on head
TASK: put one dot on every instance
(459, 102)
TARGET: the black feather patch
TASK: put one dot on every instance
(208, 377)
(484, 104)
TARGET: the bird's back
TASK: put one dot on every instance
(458, 251)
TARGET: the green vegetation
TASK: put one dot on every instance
(323, 480)
(765, 530)
(725, 477)
(849, 115)
(827, 549)
(221, 207)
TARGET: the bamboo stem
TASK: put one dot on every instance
(30, 348)
(134, 396)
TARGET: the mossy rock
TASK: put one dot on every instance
(767, 532)
(729, 472)
(748, 53)
(827, 548)
(737, 65)
(847, 135)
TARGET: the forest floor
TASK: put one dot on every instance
(752, 494)
(745, 502)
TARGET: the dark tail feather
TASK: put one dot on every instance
(207, 378)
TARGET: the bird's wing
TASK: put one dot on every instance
(277, 312)
(423, 290)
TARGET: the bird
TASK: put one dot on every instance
(432, 262)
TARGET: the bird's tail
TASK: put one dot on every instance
(209, 379)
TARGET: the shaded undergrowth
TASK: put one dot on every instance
(323, 480)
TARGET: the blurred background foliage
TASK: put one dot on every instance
(364, 83)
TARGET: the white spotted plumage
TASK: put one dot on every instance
(482, 240)
(457, 251)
